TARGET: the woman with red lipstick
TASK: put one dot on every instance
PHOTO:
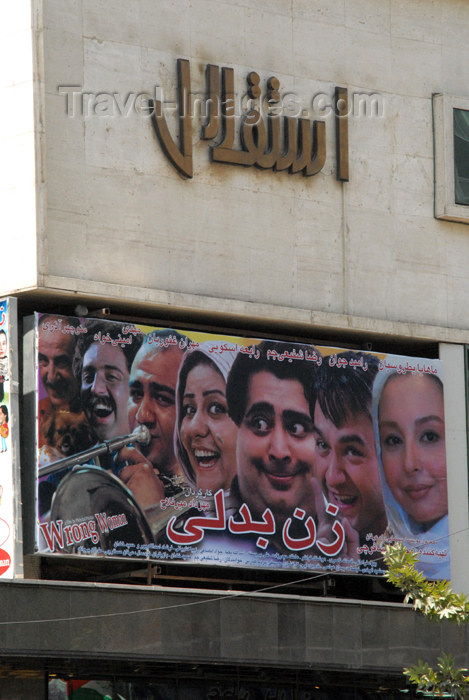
(410, 423)
(205, 434)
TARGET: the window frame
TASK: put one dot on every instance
(443, 133)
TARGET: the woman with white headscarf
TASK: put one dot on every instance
(409, 422)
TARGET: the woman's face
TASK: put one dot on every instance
(3, 345)
(412, 437)
(207, 432)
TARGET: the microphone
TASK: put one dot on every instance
(141, 434)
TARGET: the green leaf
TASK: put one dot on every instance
(437, 601)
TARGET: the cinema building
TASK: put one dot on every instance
(202, 177)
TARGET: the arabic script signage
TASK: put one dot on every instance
(222, 450)
(275, 142)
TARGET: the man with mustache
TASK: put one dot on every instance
(346, 460)
(268, 400)
(152, 403)
(56, 345)
(102, 366)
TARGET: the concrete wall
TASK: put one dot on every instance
(118, 220)
(20, 177)
(93, 208)
(45, 620)
(456, 456)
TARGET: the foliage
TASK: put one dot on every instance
(437, 601)
(447, 681)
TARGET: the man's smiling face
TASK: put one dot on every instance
(55, 366)
(347, 465)
(153, 380)
(275, 446)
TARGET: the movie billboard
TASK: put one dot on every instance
(184, 446)
(10, 521)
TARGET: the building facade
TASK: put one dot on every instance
(294, 171)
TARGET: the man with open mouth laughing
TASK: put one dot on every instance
(346, 460)
(102, 365)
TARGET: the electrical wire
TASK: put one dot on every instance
(230, 596)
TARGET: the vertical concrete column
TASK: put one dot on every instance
(456, 455)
